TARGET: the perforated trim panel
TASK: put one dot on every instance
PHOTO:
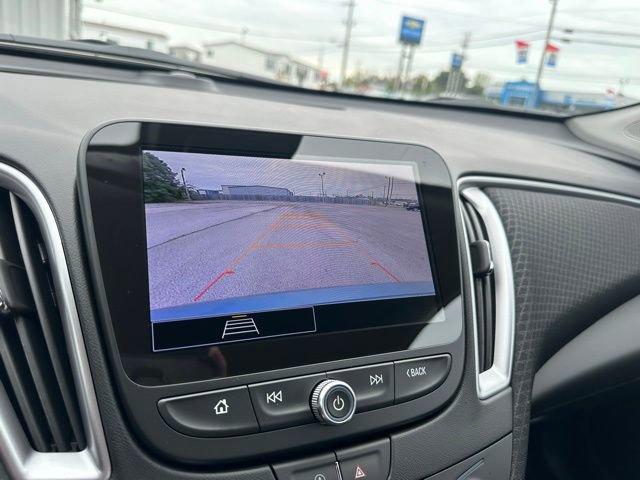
(574, 259)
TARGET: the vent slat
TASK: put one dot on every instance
(22, 388)
(65, 416)
(45, 386)
(484, 291)
(489, 319)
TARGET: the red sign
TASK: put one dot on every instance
(551, 48)
(522, 51)
(552, 55)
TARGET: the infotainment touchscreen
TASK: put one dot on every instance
(221, 252)
(245, 248)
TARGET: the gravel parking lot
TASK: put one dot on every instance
(205, 251)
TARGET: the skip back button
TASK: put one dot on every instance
(419, 376)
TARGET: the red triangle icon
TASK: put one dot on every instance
(359, 472)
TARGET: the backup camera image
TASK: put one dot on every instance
(233, 235)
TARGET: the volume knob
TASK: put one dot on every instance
(333, 402)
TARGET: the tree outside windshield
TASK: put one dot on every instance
(556, 56)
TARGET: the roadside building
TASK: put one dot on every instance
(206, 194)
(125, 36)
(53, 19)
(525, 94)
(256, 190)
(186, 52)
(263, 63)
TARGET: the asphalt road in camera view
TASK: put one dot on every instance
(207, 251)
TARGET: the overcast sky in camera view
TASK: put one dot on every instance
(595, 60)
(205, 171)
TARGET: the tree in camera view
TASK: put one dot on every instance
(160, 182)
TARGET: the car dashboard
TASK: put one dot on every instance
(528, 247)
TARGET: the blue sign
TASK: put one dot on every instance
(552, 59)
(520, 93)
(456, 61)
(411, 30)
(522, 56)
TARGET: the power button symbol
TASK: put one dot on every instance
(333, 402)
(338, 403)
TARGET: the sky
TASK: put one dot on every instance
(604, 53)
(206, 171)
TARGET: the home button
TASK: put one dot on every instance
(220, 413)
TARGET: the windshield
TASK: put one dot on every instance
(559, 56)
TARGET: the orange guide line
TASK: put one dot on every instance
(377, 264)
(212, 283)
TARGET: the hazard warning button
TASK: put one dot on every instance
(368, 462)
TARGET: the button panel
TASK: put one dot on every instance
(373, 385)
(286, 403)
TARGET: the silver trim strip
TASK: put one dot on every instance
(498, 376)
(19, 459)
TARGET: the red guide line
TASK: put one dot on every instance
(212, 283)
(386, 271)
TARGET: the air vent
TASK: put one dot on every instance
(492, 288)
(483, 284)
(49, 424)
(34, 365)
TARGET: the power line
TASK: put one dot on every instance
(613, 33)
(211, 26)
(598, 42)
(480, 18)
(617, 22)
(443, 48)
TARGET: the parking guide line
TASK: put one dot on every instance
(236, 261)
(212, 283)
(300, 221)
(381, 267)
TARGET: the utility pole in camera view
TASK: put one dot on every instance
(184, 183)
(322, 185)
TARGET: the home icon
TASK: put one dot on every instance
(222, 407)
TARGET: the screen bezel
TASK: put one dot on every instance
(112, 166)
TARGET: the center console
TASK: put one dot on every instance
(265, 293)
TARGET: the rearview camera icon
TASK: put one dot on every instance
(239, 327)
